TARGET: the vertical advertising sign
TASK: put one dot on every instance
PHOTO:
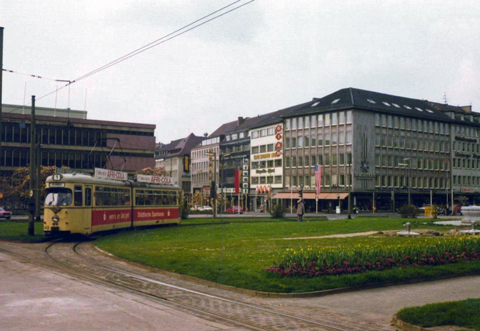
(186, 163)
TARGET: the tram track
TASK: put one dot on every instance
(249, 315)
(83, 260)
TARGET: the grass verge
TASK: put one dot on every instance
(237, 253)
(18, 231)
(459, 313)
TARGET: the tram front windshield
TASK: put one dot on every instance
(58, 197)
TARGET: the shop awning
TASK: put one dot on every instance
(311, 196)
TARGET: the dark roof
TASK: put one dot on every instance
(224, 128)
(249, 123)
(179, 147)
(361, 99)
(276, 116)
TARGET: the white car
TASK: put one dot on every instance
(205, 208)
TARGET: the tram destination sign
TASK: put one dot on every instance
(110, 174)
(155, 179)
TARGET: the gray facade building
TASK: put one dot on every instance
(383, 149)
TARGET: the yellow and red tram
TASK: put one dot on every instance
(83, 204)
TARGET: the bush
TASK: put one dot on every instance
(408, 211)
(278, 211)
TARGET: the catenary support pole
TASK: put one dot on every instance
(32, 186)
(38, 178)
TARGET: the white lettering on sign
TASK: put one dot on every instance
(144, 214)
(155, 179)
(110, 174)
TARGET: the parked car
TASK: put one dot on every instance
(234, 210)
(205, 208)
(5, 213)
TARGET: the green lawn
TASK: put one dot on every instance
(236, 253)
(18, 231)
(459, 313)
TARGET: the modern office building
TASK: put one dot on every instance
(67, 138)
(393, 149)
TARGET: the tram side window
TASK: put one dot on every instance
(88, 196)
(157, 198)
(77, 196)
(140, 198)
(125, 197)
(149, 198)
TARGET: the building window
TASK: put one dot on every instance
(349, 116)
(300, 123)
(334, 118)
(327, 139)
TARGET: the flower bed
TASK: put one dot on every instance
(330, 261)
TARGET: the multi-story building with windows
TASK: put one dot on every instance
(205, 167)
(266, 158)
(175, 158)
(391, 147)
(67, 138)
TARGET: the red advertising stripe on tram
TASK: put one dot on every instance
(110, 216)
(151, 214)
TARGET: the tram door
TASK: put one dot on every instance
(88, 207)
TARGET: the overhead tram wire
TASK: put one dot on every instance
(34, 76)
(137, 51)
(153, 44)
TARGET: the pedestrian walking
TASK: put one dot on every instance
(300, 209)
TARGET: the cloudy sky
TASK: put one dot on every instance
(265, 56)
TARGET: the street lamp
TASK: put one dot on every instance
(407, 178)
(349, 191)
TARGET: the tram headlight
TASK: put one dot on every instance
(55, 220)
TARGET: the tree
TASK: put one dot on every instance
(198, 199)
(153, 171)
(16, 188)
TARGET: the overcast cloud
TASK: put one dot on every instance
(263, 57)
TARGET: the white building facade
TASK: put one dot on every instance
(266, 163)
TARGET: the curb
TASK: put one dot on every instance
(404, 326)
